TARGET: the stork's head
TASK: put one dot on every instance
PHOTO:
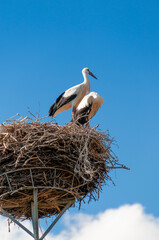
(87, 71)
(97, 97)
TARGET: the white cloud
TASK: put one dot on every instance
(128, 222)
(15, 231)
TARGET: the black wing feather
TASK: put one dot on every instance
(53, 107)
(60, 101)
(83, 113)
(67, 100)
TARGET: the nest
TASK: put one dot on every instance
(65, 163)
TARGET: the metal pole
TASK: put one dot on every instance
(34, 212)
(14, 220)
(55, 221)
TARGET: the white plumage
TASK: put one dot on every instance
(72, 97)
(88, 107)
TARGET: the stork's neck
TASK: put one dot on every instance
(86, 81)
(85, 76)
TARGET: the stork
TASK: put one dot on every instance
(72, 97)
(88, 107)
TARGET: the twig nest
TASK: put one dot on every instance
(66, 163)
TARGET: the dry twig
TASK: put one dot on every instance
(65, 163)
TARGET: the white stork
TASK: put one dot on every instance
(88, 107)
(72, 97)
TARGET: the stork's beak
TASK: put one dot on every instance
(90, 73)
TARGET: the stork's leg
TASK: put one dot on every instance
(73, 117)
(73, 114)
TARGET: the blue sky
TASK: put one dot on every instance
(43, 47)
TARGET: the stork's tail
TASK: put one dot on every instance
(52, 110)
